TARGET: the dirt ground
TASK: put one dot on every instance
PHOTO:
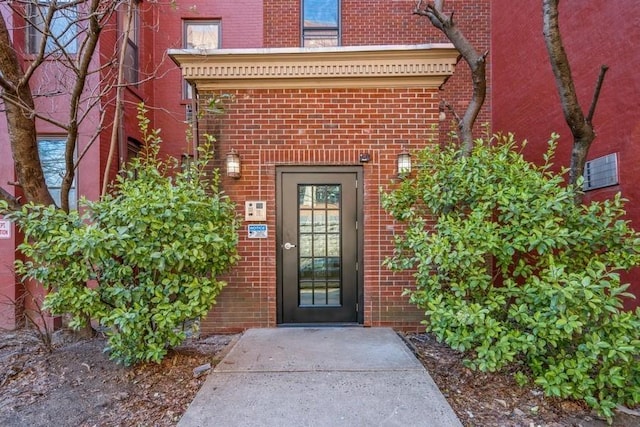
(494, 399)
(77, 385)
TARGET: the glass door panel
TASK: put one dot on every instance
(319, 254)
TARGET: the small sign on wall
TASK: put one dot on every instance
(258, 231)
(5, 229)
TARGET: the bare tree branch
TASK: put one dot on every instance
(61, 66)
(475, 60)
(560, 66)
(596, 94)
(22, 131)
(31, 111)
(581, 127)
(67, 36)
(86, 55)
(13, 202)
(119, 95)
(452, 111)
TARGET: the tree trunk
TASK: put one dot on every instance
(22, 130)
(119, 107)
(581, 127)
(476, 62)
(85, 56)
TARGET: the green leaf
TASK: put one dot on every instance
(509, 268)
(142, 244)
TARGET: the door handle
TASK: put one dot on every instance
(288, 246)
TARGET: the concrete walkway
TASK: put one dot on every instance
(319, 377)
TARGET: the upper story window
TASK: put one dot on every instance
(200, 35)
(320, 23)
(51, 151)
(53, 21)
(133, 149)
(131, 58)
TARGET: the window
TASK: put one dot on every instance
(320, 23)
(62, 28)
(186, 162)
(133, 149)
(131, 63)
(51, 151)
(601, 172)
(200, 35)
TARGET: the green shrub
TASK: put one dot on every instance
(510, 270)
(140, 261)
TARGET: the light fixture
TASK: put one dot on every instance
(404, 164)
(233, 164)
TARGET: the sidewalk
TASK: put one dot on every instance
(348, 376)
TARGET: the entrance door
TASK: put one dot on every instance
(318, 245)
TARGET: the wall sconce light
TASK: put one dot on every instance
(404, 164)
(233, 164)
(442, 115)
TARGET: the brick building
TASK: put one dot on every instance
(326, 95)
(318, 132)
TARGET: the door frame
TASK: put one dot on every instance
(359, 172)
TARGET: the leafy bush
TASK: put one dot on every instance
(509, 269)
(142, 260)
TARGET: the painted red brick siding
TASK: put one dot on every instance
(525, 99)
(274, 127)
(241, 27)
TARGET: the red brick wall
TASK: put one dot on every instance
(331, 127)
(281, 23)
(364, 22)
(474, 20)
(386, 22)
(369, 22)
(241, 27)
(273, 127)
(526, 100)
(111, 41)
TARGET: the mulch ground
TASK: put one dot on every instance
(77, 385)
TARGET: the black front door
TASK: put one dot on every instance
(318, 245)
